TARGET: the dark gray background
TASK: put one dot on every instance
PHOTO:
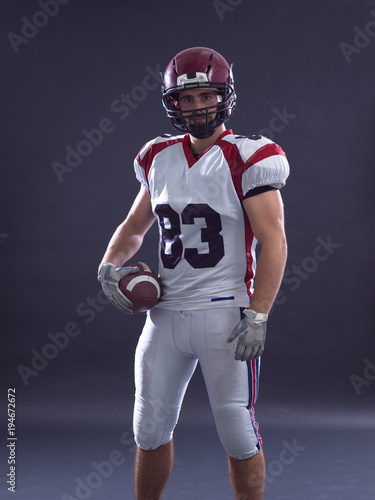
(287, 56)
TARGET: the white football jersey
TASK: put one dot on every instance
(207, 247)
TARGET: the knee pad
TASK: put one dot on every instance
(153, 423)
(238, 431)
(148, 437)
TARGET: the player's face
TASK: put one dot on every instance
(196, 99)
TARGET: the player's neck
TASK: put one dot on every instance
(199, 146)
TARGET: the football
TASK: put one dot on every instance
(143, 288)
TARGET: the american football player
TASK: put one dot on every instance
(215, 195)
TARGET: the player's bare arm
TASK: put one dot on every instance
(266, 216)
(265, 213)
(128, 237)
(124, 243)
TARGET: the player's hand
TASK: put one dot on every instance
(251, 334)
(109, 277)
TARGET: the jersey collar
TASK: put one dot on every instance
(189, 153)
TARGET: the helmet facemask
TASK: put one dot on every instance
(186, 121)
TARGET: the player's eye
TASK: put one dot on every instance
(208, 98)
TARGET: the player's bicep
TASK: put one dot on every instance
(266, 214)
(140, 217)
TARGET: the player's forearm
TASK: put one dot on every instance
(122, 246)
(269, 273)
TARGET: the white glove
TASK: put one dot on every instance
(109, 277)
(251, 333)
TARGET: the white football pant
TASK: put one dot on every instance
(171, 344)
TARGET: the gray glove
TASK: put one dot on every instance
(251, 333)
(109, 277)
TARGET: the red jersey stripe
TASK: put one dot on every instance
(263, 153)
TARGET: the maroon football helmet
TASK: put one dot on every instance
(198, 67)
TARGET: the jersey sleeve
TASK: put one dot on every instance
(141, 165)
(140, 174)
(267, 166)
(145, 158)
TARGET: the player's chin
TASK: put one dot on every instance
(199, 123)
